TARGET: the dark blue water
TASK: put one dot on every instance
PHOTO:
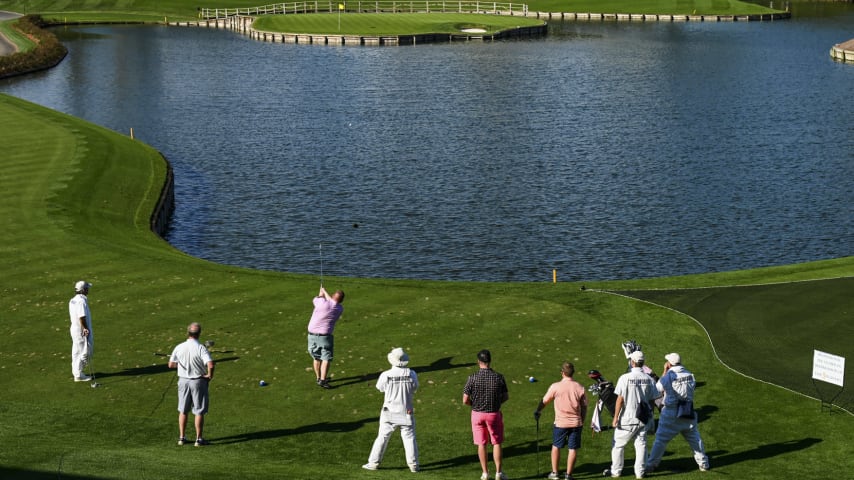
(606, 150)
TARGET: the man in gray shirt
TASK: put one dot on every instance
(195, 371)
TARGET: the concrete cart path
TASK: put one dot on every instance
(7, 47)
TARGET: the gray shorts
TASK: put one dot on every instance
(320, 346)
(193, 393)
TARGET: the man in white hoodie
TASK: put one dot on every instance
(398, 384)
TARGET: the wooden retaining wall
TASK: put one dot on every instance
(636, 17)
(162, 214)
(843, 52)
(244, 25)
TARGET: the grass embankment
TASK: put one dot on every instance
(76, 200)
(180, 10)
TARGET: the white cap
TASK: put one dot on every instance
(81, 285)
(398, 358)
(636, 356)
(673, 358)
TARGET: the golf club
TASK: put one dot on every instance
(320, 248)
(94, 384)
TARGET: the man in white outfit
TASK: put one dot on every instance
(633, 416)
(82, 339)
(677, 415)
(399, 384)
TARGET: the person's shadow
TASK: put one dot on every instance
(325, 427)
(444, 363)
(146, 370)
(722, 458)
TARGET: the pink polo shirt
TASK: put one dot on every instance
(326, 313)
(568, 396)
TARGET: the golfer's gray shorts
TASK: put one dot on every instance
(320, 346)
(193, 393)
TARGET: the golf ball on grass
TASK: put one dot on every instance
(532, 379)
(262, 383)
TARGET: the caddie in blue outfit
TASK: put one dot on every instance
(678, 415)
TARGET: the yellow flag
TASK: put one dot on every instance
(340, 6)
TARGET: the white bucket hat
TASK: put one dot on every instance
(398, 358)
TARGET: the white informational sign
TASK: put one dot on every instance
(828, 368)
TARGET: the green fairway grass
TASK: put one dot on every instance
(182, 10)
(76, 200)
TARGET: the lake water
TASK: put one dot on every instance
(605, 150)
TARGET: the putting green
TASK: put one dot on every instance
(769, 331)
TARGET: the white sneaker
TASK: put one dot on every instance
(500, 476)
(370, 466)
(553, 476)
(484, 476)
(82, 378)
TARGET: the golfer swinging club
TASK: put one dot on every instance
(327, 311)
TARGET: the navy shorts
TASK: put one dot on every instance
(567, 437)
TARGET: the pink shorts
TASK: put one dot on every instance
(487, 428)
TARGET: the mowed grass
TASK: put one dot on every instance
(76, 200)
(390, 24)
(758, 329)
(175, 10)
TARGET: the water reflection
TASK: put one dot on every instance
(605, 150)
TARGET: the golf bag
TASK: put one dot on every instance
(607, 399)
(605, 389)
(629, 347)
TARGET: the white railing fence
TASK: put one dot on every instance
(365, 6)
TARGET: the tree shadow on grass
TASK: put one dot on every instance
(444, 363)
(322, 427)
(22, 474)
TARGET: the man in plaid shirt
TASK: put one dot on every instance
(485, 391)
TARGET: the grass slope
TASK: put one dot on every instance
(76, 200)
